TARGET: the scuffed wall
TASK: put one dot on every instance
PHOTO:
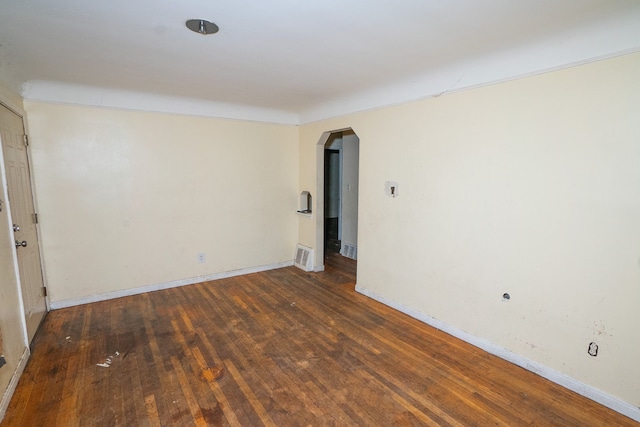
(528, 187)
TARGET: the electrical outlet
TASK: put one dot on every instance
(201, 258)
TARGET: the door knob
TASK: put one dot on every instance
(23, 244)
(16, 227)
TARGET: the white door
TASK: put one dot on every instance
(16, 162)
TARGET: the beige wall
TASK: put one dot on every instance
(129, 199)
(11, 319)
(529, 187)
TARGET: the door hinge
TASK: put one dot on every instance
(35, 218)
(44, 291)
(26, 140)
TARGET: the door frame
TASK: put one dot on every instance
(318, 264)
(7, 206)
(339, 191)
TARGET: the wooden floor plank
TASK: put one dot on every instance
(265, 418)
(227, 410)
(201, 402)
(165, 394)
(152, 411)
(282, 347)
(196, 413)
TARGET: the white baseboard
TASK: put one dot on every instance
(581, 388)
(11, 388)
(55, 305)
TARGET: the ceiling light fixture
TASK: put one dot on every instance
(202, 26)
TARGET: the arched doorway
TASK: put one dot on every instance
(338, 154)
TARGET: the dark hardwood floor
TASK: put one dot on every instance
(278, 348)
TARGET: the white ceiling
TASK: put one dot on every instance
(295, 60)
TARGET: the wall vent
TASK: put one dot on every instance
(350, 251)
(304, 258)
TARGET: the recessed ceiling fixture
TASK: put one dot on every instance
(202, 26)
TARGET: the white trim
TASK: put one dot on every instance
(584, 46)
(500, 67)
(74, 94)
(572, 384)
(319, 207)
(34, 202)
(473, 74)
(55, 305)
(11, 388)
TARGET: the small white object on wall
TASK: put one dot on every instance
(391, 188)
(304, 258)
